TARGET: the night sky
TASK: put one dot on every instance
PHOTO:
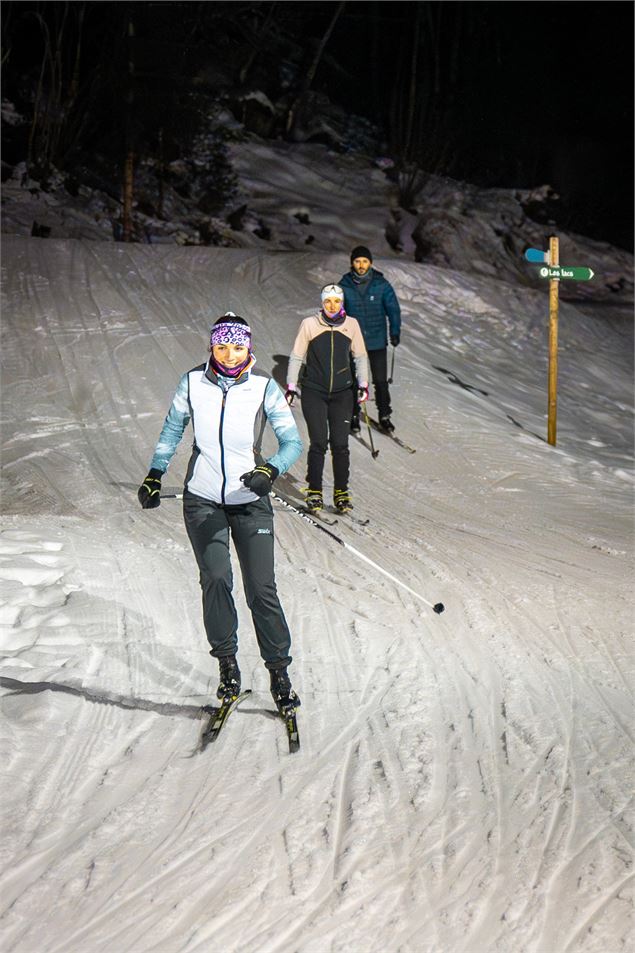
(505, 94)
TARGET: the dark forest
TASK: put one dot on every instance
(497, 94)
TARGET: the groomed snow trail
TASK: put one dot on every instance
(464, 780)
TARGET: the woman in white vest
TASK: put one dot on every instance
(227, 490)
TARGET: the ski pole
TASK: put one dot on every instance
(374, 453)
(392, 366)
(436, 607)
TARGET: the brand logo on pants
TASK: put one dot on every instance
(266, 532)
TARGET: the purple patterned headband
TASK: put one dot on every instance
(231, 332)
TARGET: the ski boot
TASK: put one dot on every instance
(386, 424)
(281, 691)
(314, 501)
(229, 686)
(342, 501)
(356, 427)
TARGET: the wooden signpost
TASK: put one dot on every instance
(555, 272)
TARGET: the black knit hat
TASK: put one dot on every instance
(360, 251)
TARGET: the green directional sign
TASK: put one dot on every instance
(560, 271)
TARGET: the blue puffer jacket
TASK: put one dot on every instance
(372, 307)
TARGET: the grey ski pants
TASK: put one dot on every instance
(208, 526)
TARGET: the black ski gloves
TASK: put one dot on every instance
(260, 479)
(394, 339)
(149, 492)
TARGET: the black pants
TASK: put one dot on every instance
(378, 361)
(208, 526)
(328, 418)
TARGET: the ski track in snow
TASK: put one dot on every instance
(464, 780)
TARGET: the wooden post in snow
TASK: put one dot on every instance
(554, 273)
(554, 261)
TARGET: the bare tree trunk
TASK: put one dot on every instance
(457, 37)
(33, 132)
(128, 170)
(434, 54)
(375, 48)
(412, 95)
(6, 50)
(54, 126)
(258, 46)
(306, 85)
(128, 195)
(161, 175)
(74, 85)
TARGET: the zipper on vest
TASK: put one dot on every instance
(222, 448)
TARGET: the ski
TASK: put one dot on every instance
(360, 439)
(218, 717)
(357, 519)
(401, 442)
(350, 516)
(387, 433)
(288, 715)
(317, 516)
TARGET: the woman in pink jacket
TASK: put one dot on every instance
(324, 345)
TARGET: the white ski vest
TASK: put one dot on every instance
(228, 427)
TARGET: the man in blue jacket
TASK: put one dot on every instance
(371, 299)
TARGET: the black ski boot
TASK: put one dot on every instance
(342, 501)
(229, 686)
(355, 424)
(314, 500)
(386, 424)
(281, 691)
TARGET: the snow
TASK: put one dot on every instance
(464, 780)
(307, 197)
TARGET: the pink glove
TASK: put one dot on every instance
(362, 393)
